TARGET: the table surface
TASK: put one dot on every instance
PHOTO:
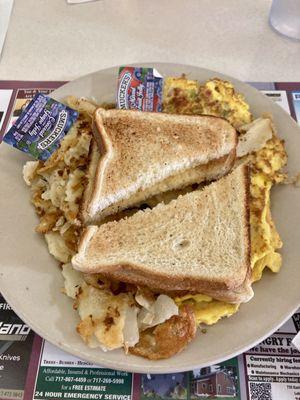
(51, 40)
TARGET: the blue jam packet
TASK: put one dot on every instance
(41, 126)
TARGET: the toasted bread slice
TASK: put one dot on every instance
(143, 154)
(199, 242)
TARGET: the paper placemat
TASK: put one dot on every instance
(31, 368)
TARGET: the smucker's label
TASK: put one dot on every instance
(139, 89)
(41, 126)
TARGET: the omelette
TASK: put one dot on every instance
(217, 97)
(214, 97)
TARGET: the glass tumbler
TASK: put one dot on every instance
(285, 17)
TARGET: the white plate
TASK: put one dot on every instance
(31, 280)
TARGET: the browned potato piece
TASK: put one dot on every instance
(168, 338)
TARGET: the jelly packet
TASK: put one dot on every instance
(139, 89)
(41, 126)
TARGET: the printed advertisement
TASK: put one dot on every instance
(164, 387)
(62, 376)
(220, 381)
(279, 97)
(16, 341)
(33, 369)
(273, 367)
(296, 102)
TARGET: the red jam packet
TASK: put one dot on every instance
(139, 89)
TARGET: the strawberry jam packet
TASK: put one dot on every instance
(41, 126)
(139, 89)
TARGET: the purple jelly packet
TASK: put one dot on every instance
(41, 126)
(139, 89)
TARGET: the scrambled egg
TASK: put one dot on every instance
(207, 310)
(181, 96)
(215, 97)
(218, 98)
(265, 240)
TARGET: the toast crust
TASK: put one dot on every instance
(98, 202)
(230, 291)
(89, 187)
(235, 289)
(203, 173)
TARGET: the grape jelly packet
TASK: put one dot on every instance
(41, 126)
